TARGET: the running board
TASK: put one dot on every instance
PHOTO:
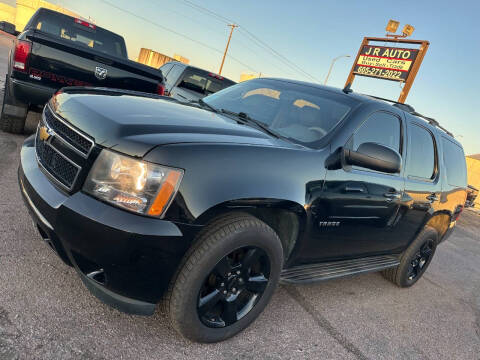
(330, 270)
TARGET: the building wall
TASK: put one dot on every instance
(24, 9)
(153, 58)
(181, 59)
(7, 13)
(473, 171)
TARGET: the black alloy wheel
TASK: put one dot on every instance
(233, 287)
(421, 258)
(415, 259)
(226, 278)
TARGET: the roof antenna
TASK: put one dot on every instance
(347, 89)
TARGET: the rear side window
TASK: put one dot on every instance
(77, 31)
(421, 153)
(380, 128)
(454, 160)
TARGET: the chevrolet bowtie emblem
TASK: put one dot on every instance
(44, 133)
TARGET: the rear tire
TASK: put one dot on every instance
(232, 244)
(415, 260)
(10, 123)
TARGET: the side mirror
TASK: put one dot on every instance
(368, 155)
(375, 157)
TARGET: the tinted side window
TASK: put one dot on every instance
(381, 128)
(454, 160)
(173, 75)
(421, 153)
(165, 69)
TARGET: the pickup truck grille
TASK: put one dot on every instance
(61, 149)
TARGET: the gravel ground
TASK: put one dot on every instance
(46, 312)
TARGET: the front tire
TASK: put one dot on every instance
(226, 279)
(415, 259)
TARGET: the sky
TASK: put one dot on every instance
(310, 33)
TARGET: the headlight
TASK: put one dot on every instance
(132, 184)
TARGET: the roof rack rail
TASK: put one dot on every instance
(403, 106)
(409, 109)
(433, 122)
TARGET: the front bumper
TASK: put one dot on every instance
(135, 256)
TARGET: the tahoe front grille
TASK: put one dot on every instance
(56, 164)
(73, 137)
(61, 149)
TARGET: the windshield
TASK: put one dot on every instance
(301, 113)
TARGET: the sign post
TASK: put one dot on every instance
(389, 63)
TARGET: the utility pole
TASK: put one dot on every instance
(233, 26)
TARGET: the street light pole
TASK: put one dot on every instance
(233, 26)
(331, 66)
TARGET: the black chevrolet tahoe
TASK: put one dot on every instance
(56, 50)
(207, 207)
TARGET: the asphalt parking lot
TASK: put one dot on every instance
(47, 313)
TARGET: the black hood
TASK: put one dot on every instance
(135, 124)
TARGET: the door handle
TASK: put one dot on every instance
(354, 189)
(432, 197)
(392, 195)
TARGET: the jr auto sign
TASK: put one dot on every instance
(383, 62)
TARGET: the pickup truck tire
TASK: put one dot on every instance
(10, 123)
(415, 259)
(220, 263)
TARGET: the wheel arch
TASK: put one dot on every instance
(287, 218)
(440, 221)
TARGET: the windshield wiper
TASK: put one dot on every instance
(204, 105)
(246, 119)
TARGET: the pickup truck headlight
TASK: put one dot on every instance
(131, 184)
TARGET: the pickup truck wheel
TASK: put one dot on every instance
(415, 259)
(226, 279)
(10, 123)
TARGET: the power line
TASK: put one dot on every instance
(215, 30)
(285, 60)
(176, 33)
(207, 11)
(190, 18)
(252, 37)
(279, 66)
(222, 19)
